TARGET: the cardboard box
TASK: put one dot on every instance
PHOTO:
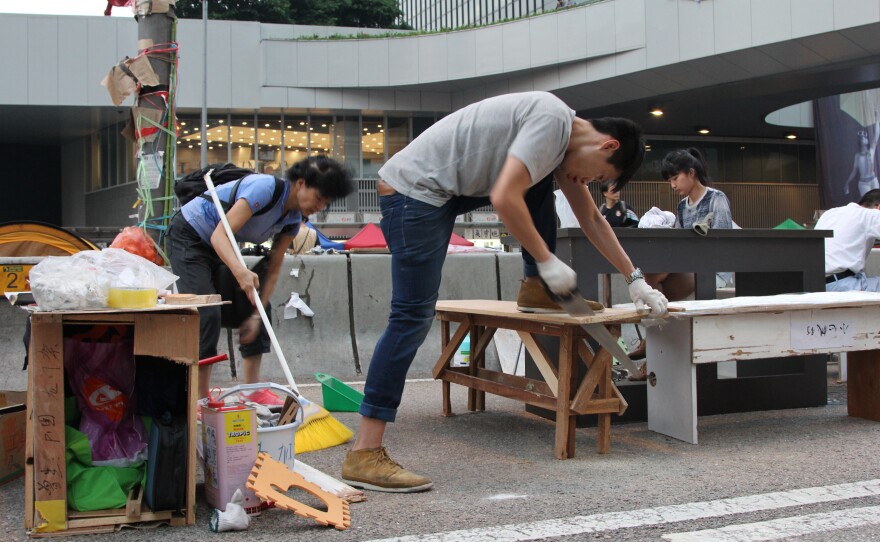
(12, 434)
(169, 332)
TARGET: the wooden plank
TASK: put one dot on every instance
(603, 439)
(591, 380)
(74, 532)
(775, 303)
(450, 349)
(507, 309)
(29, 432)
(623, 404)
(50, 471)
(472, 393)
(514, 381)
(526, 396)
(447, 396)
(167, 336)
(731, 337)
(565, 423)
(192, 377)
(135, 502)
(863, 384)
(539, 356)
(602, 406)
(121, 519)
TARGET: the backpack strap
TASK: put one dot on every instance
(276, 195)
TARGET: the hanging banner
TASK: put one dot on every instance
(847, 131)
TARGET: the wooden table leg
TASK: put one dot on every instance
(863, 384)
(444, 339)
(565, 420)
(478, 362)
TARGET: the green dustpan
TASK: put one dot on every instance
(338, 396)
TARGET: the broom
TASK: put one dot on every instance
(319, 429)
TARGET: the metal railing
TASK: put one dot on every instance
(754, 205)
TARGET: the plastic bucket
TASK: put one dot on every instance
(338, 396)
(277, 441)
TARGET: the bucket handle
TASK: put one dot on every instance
(266, 385)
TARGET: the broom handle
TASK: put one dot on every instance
(260, 309)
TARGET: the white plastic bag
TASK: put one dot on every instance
(83, 280)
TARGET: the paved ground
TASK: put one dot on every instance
(496, 468)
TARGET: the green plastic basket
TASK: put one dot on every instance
(338, 396)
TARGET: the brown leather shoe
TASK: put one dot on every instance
(532, 297)
(373, 469)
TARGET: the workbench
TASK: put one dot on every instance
(560, 388)
(758, 328)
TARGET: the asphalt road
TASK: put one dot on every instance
(805, 474)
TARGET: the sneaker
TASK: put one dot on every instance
(532, 297)
(263, 397)
(373, 469)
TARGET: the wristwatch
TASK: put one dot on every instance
(634, 276)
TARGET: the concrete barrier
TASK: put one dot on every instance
(350, 295)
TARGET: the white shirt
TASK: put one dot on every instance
(856, 228)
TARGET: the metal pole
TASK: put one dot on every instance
(205, 84)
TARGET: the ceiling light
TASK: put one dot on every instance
(220, 121)
(702, 130)
(656, 111)
(790, 136)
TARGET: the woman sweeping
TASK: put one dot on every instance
(198, 245)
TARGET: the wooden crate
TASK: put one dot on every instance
(171, 333)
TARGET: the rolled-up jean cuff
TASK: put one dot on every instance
(379, 413)
(530, 269)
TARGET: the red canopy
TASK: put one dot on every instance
(369, 237)
(460, 241)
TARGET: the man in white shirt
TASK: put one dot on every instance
(856, 228)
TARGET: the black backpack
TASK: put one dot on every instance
(193, 185)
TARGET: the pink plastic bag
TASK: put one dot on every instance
(101, 375)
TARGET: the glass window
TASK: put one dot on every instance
(296, 139)
(269, 144)
(347, 142)
(188, 150)
(217, 138)
(321, 136)
(190, 138)
(397, 135)
(372, 146)
(116, 158)
(420, 124)
(241, 137)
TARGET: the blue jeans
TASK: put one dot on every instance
(857, 282)
(418, 234)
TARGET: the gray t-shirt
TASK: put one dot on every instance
(462, 154)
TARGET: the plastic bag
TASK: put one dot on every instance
(136, 241)
(83, 280)
(102, 376)
(65, 283)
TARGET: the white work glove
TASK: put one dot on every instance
(233, 519)
(560, 278)
(644, 296)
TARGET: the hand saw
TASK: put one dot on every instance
(575, 305)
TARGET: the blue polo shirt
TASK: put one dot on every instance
(257, 190)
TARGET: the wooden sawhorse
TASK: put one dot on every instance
(561, 391)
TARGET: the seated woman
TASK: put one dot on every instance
(685, 169)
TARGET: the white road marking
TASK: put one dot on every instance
(784, 527)
(612, 521)
(506, 497)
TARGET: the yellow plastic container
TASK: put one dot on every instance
(132, 298)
